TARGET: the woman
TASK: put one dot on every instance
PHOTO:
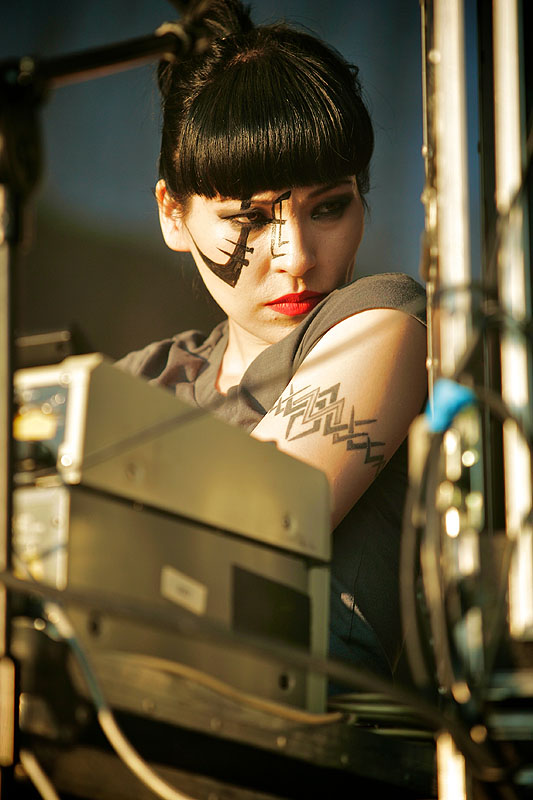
(264, 166)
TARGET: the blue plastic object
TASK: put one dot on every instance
(449, 397)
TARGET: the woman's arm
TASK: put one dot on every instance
(350, 403)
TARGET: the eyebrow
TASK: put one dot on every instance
(315, 193)
(329, 186)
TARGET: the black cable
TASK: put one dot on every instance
(420, 658)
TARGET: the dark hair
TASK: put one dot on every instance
(263, 108)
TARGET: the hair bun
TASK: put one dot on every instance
(227, 18)
(221, 18)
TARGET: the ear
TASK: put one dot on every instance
(172, 227)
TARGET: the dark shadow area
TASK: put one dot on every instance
(117, 294)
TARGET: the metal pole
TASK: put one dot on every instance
(429, 259)
(7, 667)
(449, 218)
(515, 302)
(452, 182)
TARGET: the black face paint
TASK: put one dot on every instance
(277, 225)
(230, 271)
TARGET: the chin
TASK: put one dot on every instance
(275, 332)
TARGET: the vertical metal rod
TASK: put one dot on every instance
(429, 259)
(452, 182)
(515, 302)
(7, 713)
(451, 770)
(7, 667)
(5, 409)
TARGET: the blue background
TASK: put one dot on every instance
(93, 255)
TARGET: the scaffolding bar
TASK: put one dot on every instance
(514, 299)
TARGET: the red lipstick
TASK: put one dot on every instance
(294, 304)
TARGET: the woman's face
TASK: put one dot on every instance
(268, 260)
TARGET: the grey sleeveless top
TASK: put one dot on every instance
(365, 625)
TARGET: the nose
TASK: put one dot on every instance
(292, 247)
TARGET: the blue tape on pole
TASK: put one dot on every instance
(449, 398)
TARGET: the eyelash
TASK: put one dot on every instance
(329, 209)
(255, 219)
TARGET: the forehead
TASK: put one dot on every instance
(266, 196)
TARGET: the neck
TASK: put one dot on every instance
(242, 348)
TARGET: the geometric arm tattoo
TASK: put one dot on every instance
(321, 412)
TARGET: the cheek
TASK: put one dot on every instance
(361, 228)
(343, 250)
(229, 298)
(232, 256)
(342, 253)
(355, 234)
(357, 223)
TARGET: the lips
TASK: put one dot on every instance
(293, 305)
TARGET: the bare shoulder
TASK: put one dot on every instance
(371, 330)
(351, 401)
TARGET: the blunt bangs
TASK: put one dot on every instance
(272, 118)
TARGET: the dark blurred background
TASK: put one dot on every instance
(93, 256)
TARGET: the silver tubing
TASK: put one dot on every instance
(515, 302)
(452, 181)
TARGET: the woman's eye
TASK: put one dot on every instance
(255, 219)
(331, 209)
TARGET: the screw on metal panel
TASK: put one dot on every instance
(94, 624)
(286, 681)
(135, 471)
(289, 524)
(131, 470)
(281, 741)
(148, 705)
